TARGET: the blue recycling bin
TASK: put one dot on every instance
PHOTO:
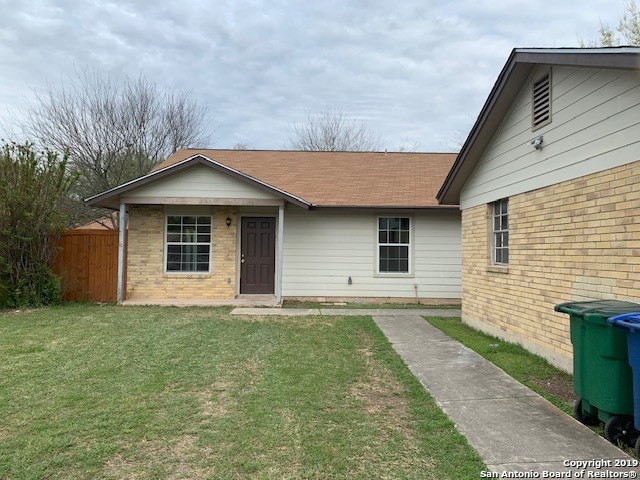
(631, 323)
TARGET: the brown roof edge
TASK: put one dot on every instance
(187, 163)
(398, 208)
(508, 84)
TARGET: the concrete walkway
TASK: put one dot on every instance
(512, 428)
(342, 312)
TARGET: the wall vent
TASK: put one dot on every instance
(541, 102)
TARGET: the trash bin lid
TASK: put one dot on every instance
(605, 308)
(628, 321)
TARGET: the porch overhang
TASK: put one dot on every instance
(224, 202)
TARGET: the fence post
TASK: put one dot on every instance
(122, 224)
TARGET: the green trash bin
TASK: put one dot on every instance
(602, 377)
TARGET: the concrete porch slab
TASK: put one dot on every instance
(175, 302)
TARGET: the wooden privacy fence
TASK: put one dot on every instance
(88, 265)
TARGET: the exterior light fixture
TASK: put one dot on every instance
(537, 142)
(228, 222)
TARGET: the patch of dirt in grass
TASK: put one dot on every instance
(383, 397)
(558, 386)
(395, 441)
(177, 460)
(215, 400)
(250, 365)
(221, 397)
(305, 321)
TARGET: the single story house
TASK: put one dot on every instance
(548, 182)
(228, 224)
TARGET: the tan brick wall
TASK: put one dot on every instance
(145, 265)
(573, 241)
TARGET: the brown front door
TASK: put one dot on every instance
(258, 255)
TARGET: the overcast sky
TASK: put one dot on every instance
(417, 71)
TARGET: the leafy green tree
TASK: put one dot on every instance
(33, 188)
(627, 32)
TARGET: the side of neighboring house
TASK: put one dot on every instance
(549, 187)
(220, 225)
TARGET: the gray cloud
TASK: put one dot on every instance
(417, 71)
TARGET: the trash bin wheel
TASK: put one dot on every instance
(620, 429)
(581, 417)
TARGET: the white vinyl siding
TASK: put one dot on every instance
(596, 126)
(322, 250)
(201, 182)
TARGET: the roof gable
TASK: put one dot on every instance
(111, 198)
(508, 86)
(200, 181)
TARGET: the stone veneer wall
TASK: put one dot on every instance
(145, 264)
(574, 241)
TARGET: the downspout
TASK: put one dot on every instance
(122, 223)
(279, 256)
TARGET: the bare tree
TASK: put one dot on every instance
(407, 146)
(333, 131)
(113, 131)
(627, 32)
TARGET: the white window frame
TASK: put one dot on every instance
(409, 246)
(167, 243)
(502, 232)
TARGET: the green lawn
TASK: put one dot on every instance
(147, 392)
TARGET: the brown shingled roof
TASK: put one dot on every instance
(339, 179)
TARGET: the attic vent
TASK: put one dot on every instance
(541, 103)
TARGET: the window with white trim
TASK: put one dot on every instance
(500, 232)
(394, 244)
(188, 243)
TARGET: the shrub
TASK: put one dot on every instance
(33, 186)
(39, 286)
